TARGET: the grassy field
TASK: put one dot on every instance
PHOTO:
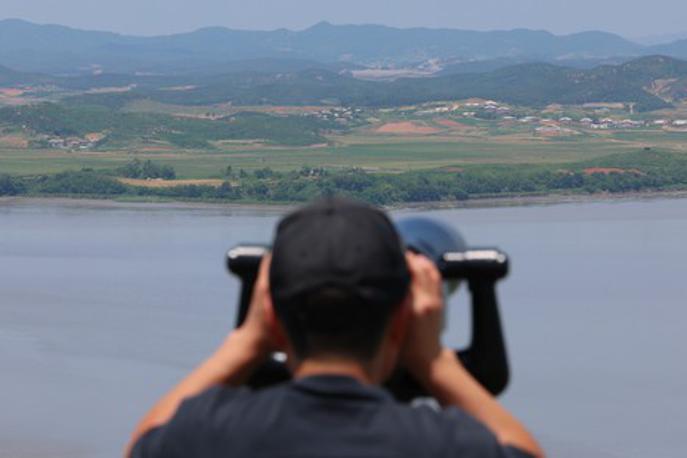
(469, 143)
(382, 154)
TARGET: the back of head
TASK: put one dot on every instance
(338, 271)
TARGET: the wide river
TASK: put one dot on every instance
(103, 308)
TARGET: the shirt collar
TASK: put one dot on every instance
(340, 386)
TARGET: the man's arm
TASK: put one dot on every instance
(240, 354)
(438, 369)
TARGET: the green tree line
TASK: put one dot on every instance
(636, 171)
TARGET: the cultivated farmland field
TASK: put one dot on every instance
(361, 148)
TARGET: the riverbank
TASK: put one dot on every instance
(485, 202)
(104, 204)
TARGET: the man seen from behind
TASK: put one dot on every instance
(346, 303)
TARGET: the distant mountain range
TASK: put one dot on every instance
(56, 49)
(648, 83)
(658, 39)
(318, 65)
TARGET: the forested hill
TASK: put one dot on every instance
(535, 84)
(10, 77)
(56, 49)
(116, 129)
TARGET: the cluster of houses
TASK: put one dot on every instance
(610, 123)
(489, 106)
(563, 123)
(476, 107)
(342, 115)
(605, 123)
(87, 142)
(449, 108)
(546, 125)
(679, 123)
(469, 108)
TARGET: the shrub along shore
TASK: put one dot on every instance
(644, 170)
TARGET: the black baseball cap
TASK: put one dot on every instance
(342, 244)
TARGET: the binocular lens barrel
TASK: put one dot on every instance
(488, 263)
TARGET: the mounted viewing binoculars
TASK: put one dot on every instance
(485, 357)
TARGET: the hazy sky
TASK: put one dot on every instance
(149, 17)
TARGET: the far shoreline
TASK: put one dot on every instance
(279, 208)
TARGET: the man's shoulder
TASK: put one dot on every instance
(241, 418)
(449, 432)
(222, 404)
(448, 426)
(202, 419)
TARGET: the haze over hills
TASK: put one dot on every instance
(56, 49)
(676, 48)
(659, 39)
(9, 76)
(648, 83)
(319, 65)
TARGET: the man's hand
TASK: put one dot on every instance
(254, 337)
(437, 367)
(423, 338)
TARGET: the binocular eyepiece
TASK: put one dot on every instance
(485, 357)
(244, 260)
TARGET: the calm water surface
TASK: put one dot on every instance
(103, 309)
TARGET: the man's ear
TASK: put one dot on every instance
(399, 321)
(394, 337)
(275, 326)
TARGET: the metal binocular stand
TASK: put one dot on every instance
(485, 357)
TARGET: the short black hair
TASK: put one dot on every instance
(333, 321)
(338, 270)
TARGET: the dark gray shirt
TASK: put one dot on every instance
(323, 416)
